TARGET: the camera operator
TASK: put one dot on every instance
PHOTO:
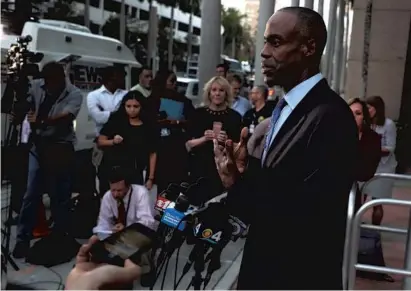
(54, 106)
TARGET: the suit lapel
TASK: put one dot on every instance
(294, 122)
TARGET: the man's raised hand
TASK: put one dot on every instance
(231, 158)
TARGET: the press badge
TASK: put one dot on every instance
(165, 132)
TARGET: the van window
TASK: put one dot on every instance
(235, 66)
(195, 89)
(182, 88)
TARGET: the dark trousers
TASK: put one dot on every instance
(18, 166)
(49, 168)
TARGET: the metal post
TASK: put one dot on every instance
(266, 10)
(348, 230)
(356, 226)
(294, 3)
(339, 43)
(407, 258)
(309, 4)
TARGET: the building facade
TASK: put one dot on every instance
(389, 69)
(137, 13)
(251, 12)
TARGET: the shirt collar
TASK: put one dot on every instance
(127, 197)
(301, 90)
(103, 89)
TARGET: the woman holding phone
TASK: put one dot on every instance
(214, 121)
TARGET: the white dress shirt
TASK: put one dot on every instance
(101, 102)
(138, 210)
(146, 93)
(293, 98)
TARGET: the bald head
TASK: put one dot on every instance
(295, 38)
(259, 93)
(310, 25)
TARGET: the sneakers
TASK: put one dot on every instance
(21, 250)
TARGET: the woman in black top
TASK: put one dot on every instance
(129, 140)
(214, 121)
(172, 110)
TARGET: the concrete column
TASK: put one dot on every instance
(265, 12)
(338, 47)
(346, 44)
(330, 43)
(210, 45)
(321, 7)
(295, 3)
(309, 4)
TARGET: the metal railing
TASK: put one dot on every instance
(353, 236)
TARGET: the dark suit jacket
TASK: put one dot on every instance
(297, 201)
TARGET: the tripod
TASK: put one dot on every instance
(6, 232)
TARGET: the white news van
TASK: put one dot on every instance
(83, 53)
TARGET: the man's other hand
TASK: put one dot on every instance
(87, 275)
(31, 117)
(118, 227)
(231, 159)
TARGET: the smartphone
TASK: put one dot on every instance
(130, 243)
(217, 126)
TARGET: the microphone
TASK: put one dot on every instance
(165, 198)
(213, 225)
(174, 216)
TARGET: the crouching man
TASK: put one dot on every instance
(124, 204)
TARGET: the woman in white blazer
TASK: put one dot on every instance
(386, 128)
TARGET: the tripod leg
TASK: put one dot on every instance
(9, 259)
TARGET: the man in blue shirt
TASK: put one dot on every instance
(240, 104)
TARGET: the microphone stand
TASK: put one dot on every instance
(215, 263)
(199, 266)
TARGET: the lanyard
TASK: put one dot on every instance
(128, 205)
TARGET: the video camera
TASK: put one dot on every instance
(207, 225)
(20, 59)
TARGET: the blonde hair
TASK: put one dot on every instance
(223, 83)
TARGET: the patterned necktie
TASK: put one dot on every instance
(121, 212)
(274, 118)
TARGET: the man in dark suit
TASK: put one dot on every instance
(294, 189)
